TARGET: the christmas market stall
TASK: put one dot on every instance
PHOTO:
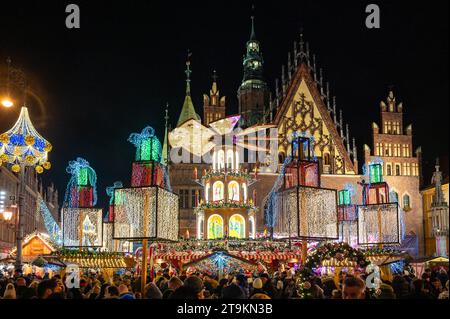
(390, 261)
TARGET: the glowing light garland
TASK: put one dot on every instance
(23, 145)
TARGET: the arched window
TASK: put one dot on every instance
(230, 164)
(233, 191)
(244, 191)
(220, 160)
(236, 164)
(237, 226)
(252, 228)
(393, 196)
(218, 191)
(406, 202)
(214, 160)
(200, 222)
(397, 170)
(388, 169)
(326, 158)
(207, 187)
(215, 227)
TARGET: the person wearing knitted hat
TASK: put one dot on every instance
(257, 287)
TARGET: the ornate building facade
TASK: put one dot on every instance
(303, 105)
(393, 145)
(34, 192)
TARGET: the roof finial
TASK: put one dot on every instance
(252, 34)
(214, 76)
(188, 73)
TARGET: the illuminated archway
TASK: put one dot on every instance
(220, 160)
(233, 191)
(230, 161)
(237, 226)
(218, 191)
(252, 227)
(207, 187)
(215, 227)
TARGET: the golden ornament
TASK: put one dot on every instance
(47, 165)
(17, 151)
(29, 140)
(48, 147)
(30, 159)
(4, 138)
(15, 168)
(4, 157)
(39, 169)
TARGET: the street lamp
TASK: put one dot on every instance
(21, 147)
(7, 102)
(7, 216)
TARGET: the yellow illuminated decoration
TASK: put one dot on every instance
(233, 191)
(215, 227)
(218, 191)
(237, 226)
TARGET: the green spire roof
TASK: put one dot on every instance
(188, 110)
(252, 34)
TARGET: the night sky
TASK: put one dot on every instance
(114, 76)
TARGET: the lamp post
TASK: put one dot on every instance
(23, 147)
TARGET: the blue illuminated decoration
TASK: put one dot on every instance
(50, 224)
(75, 168)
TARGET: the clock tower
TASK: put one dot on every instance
(253, 94)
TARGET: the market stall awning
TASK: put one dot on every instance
(99, 262)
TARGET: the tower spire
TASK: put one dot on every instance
(188, 110)
(165, 150)
(188, 73)
(252, 33)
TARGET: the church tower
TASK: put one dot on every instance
(253, 94)
(213, 105)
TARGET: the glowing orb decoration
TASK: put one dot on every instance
(23, 145)
(145, 213)
(379, 224)
(306, 213)
(82, 227)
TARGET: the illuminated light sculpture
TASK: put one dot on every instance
(226, 211)
(379, 219)
(81, 220)
(302, 170)
(110, 244)
(199, 140)
(347, 217)
(146, 211)
(22, 146)
(304, 210)
(296, 210)
(147, 169)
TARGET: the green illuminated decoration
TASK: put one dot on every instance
(83, 176)
(148, 147)
(375, 174)
(344, 197)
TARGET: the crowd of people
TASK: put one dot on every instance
(433, 284)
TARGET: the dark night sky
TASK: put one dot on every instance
(114, 75)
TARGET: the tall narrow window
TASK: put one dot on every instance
(397, 170)
(406, 202)
(388, 169)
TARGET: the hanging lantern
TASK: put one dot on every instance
(379, 224)
(375, 173)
